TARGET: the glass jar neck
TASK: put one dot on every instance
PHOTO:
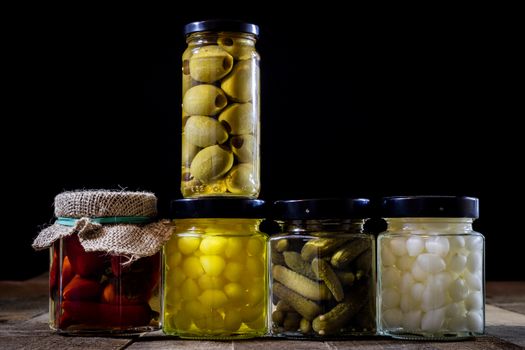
(205, 38)
(426, 225)
(326, 225)
(217, 226)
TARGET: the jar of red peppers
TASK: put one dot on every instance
(105, 262)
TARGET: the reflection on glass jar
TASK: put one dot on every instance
(431, 269)
(220, 110)
(215, 270)
(322, 269)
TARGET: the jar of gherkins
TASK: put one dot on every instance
(220, 110)
(322, 269)
(215, 270)
(431, 276)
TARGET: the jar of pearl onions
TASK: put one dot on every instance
(431, 269)
(215, 270)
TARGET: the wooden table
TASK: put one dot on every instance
(24, 316)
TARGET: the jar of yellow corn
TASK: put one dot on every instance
(215, 270)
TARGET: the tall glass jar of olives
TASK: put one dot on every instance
(215, 271)
(322, 269)
(220, 110)
(431, 269)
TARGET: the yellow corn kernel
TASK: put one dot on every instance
(194, 310)
(212, 321)
(232, 320)
(254, 295)
(213, 245)
(211, 282)
(192, 267)
(233, 247)
(175, 277)
(254, 267)
(233, 271)
(255, 246)
(189, 289)
(174, 259)
(251, 313)
(259, 323)
(173, 297)
(234, 291)
(213, 298)
(213, 265)
(188, 245)
(180, 322)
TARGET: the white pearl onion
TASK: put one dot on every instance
(431, 263)
(474, 301)
(457, 324)
(458, 290)
(415, 246)
(474, 243)
(437, 245)
(457, 263)
(412, 320)
(390, 277)
(433, 320)
(456, 243)
(405, 262)
(433, 297)
(392, 318)
(407, 281)
(456, 310)
(474, 261)
(417, 291)
(475, 321)
(398, 246)
(390, 298)
(473, 280)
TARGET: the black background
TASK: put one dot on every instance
(358, 102)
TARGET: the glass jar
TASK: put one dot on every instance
(220, 110)
(322, 269)
(215, 270)
(431, 269)
(105, 263)
(93, 292)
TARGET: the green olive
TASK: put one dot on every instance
(204, 99)
(189, 151)
(239, 48)
(243, 180)
(211, 163)
(240, 84)
(244, 147)
(186, 77)
(210, 63)
(238, 118)
(204, 131)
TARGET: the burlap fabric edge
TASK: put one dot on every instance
(135, 241)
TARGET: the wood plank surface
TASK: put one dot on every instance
(24, 325)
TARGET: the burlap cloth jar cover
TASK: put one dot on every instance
(116, 222)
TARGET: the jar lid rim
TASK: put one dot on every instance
(430, 206)
(222, 25)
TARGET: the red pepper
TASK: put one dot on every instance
(104, 315)
(67, 271)
(82, 289)
(114, 295)
(83, 263)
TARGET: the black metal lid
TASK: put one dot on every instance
(430, 206)
(221, 25)
(321, 208)
(217, 207)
